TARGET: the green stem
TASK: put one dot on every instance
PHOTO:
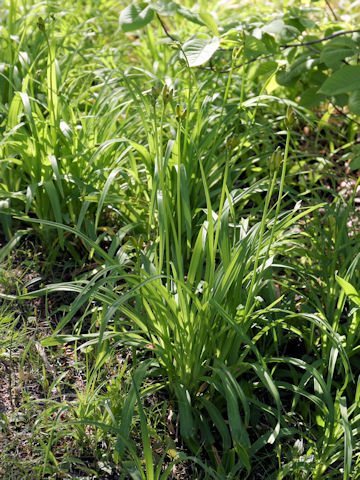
(281, 189)
(178, 187)
(263, 221)
(222, 200)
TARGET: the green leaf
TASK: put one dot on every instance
(15, 110)
(354, 102)
(166, 8)
(355, 163)
(253, 47)
(200, 50)
(345, 80)
(265, 68)
(340, 100)
(336, 50)
(56, 206)
(55, 167)
(349, 290)
(184, 404)
(348, 438)
(197, 257)
(111, 178)
(145, 437)
(6, 250)
(135, 16)
(189, 15)
(185, 201)
(128, 408)
(310, 98)
(277, 27)
(209, 21)
(303, 62)
(219, 423)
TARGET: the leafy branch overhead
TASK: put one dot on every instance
(324, 66)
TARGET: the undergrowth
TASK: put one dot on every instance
(179, 249)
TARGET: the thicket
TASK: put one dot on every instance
(180, 252)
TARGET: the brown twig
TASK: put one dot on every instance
(261, 57)
(284, 47)
(331, 10)
(320, 40)
(343, 114)
(166, 29)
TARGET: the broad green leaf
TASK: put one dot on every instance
(253, 47)
(266, 68)
(16, 108)
(277, 27)
(209, 21)
(200, 50)
(205, 430)
(189, 15)
(307, 23)
(142, 151)
(135, 16)
(336, 50)
(233, 393)
(236, 426)
(340, 100)
(184, 404)
(244, 456)
(219, 423)
(355, 163)
(310, 98)
(270, 43)
(166, 8)
(304, 62)
(354, 102)
(349, 290)
(345, 80)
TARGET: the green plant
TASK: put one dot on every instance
(203, 289)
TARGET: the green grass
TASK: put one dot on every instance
(179, 276)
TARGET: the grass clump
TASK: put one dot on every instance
(179, 246)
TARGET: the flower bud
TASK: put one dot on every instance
(156, 90)
(231, 142)
(180, 114)
(275, 160)
(41, 24)
(167, 94)
(289, 118)
(236, 53)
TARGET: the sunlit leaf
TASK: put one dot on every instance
(200, 50)
(135, 16)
